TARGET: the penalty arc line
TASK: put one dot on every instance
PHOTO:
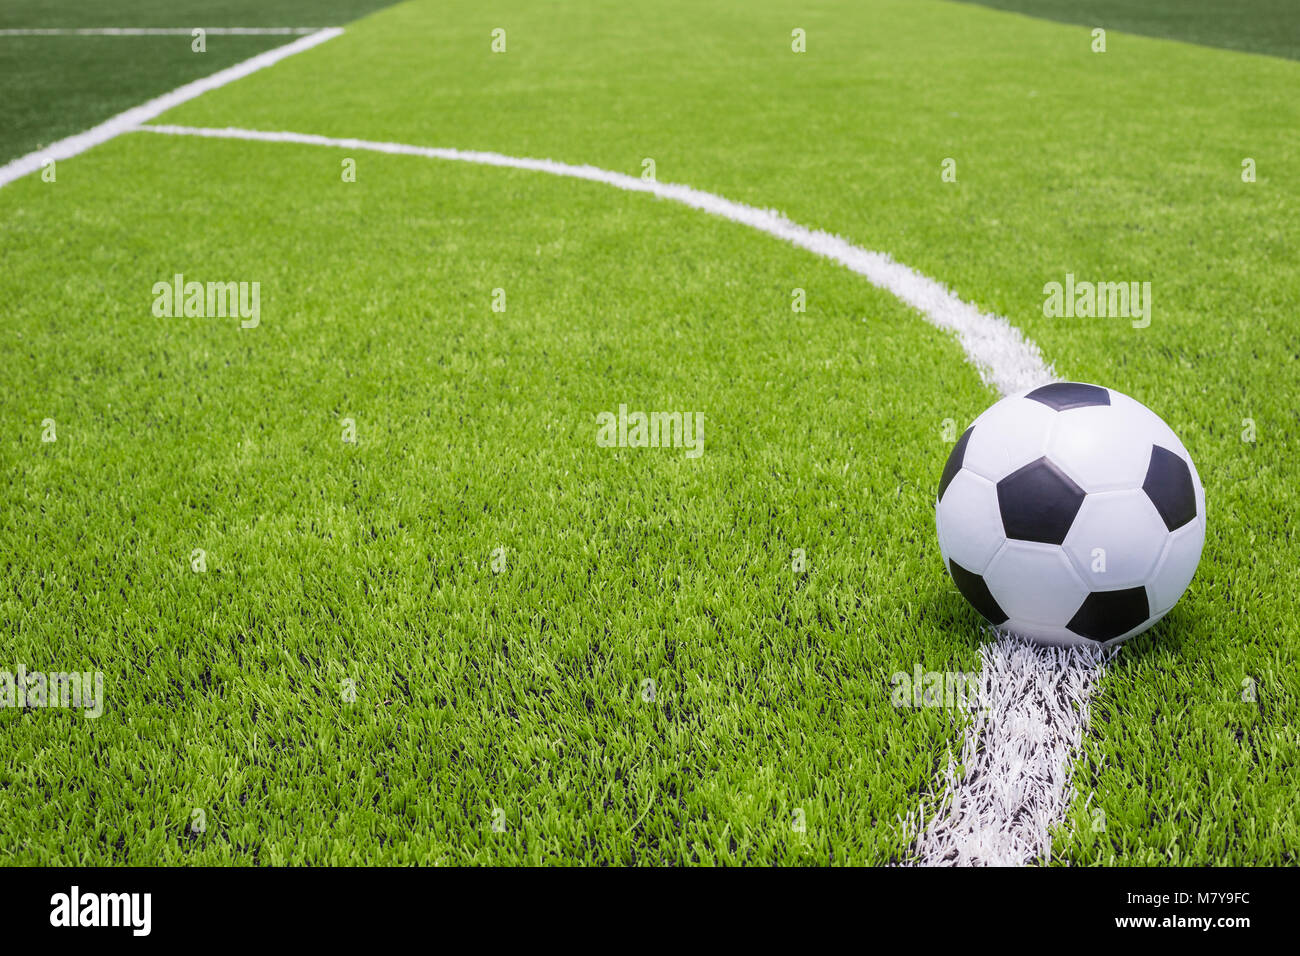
(1017, 754)
(1002, 355)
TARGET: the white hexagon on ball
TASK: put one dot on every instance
(1034, 584)
(1008, 436)
(970, 526)
(1175, 567)
(1100, 452)
(1116, 539)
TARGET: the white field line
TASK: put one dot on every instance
(997, 349)
(1016, 758)
(80, 142)
(1017, 755)
(157, 31)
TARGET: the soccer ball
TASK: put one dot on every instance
(1071, 514)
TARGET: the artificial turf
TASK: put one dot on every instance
(475, 430)
(56, 86)
(522, 690)
(76, 14)
(1271, 27)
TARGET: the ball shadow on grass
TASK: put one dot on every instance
(944, 608)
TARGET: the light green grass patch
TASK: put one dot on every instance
(1123, 166)
(373, 562)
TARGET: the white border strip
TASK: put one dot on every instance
(1004, 358)
(158, 31)
(79, 143)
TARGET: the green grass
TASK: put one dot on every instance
(179, 13)
(476, 430)
(57, 86)
(1259, 26)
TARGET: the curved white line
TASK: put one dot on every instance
(1002, 355)
(1017, 755)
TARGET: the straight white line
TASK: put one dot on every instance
(1003, 357)
(79, 143)
(1016, 759)
(156, 31)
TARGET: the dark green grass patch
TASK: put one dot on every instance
(186, 13)
(1258, 26)
(55, 86)
(58, 86)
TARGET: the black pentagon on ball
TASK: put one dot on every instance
(1169, 486)
(1038, 502)
(974, 590)
(1066, 395)
(1105, 615)
(954, 462)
